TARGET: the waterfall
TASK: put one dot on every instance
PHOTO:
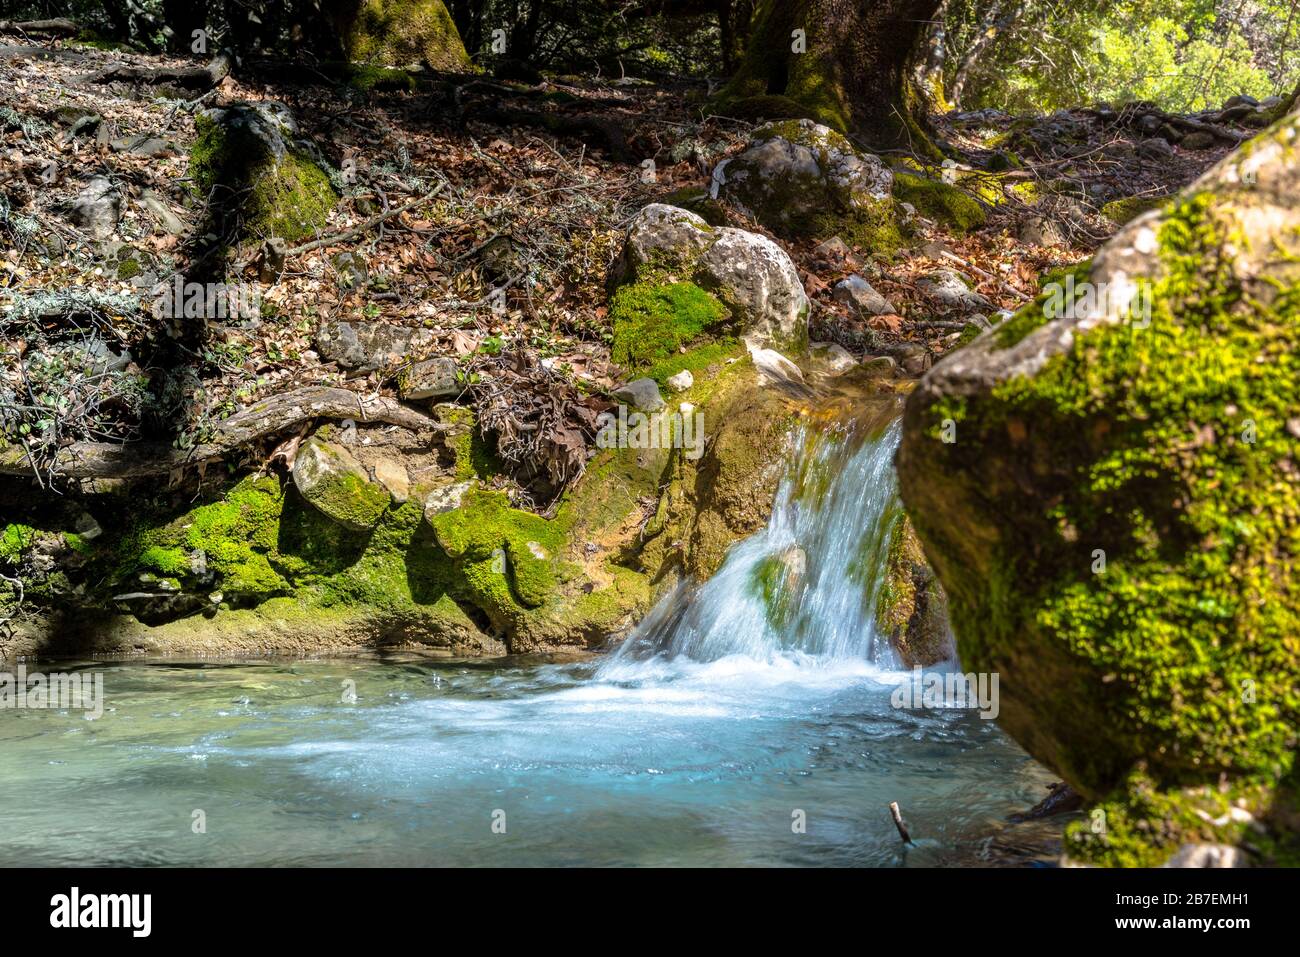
(806, 586)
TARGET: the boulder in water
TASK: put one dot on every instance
(1107, 486)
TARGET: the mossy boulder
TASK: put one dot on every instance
(397, 33)
(686, 273)
(261, 179)
(796, 177)
(332, 481)
(1122, 211)
(911, 608)
(1108, 490)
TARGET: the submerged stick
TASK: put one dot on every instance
(898, 823)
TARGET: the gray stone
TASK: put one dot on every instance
(333, 482)
(444, 499)
(1155, 148)
(862, 297)
(143, 145)
(949, 290)
(749, 272)
(430, 379)
(797, 169)
(97, 208)
(1199, 140)
(641, 394)
(369, 345)
(158, 208)
(1037, 231)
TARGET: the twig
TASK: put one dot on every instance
(898, 823)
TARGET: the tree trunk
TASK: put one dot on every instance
(843, 63)
(996, 19)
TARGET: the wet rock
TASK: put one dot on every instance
(879, 367)
(830, 359)
(97, 208)
(1207, 855)
(330, 479)
(641, 394)
(862, 297)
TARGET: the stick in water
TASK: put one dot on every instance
(898, 823)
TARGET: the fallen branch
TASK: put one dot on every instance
(58, 27)
(898, 823)
(192, 77)
(102, 460)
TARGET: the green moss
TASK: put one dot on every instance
(15, 540)
(401, 32)
(289, 197)
(1122, 210)
(697, 361)
(367, 78)
(652, 322)
(775, 584)
(128, 269)
(939, 201)
(509, 557)
(1165, 446)
(348, 497)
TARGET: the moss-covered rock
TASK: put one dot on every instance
(260, 179)
(674, 258)
(1122, 210)
(1109, 494)
(398, 33)
(328, 477)
(911, 608)
(939, 201)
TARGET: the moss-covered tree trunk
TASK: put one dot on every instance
(398, 33)
(848, 68)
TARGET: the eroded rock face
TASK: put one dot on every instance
(795, 171)
(748, 273)
(1109, 494)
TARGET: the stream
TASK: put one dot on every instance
(716, 734)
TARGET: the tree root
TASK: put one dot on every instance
(190, 78)
(106, 460)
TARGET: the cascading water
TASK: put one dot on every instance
(806, 586)
(761, 696)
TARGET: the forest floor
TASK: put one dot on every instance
(458, 189)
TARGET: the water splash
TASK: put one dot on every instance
(806, 587)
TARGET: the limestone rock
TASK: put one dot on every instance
(97, 208)
(328, 477)
(796, 170)
(444, 499)
(681, 381)
(830, 358)
(747, 272)
(949, 289)
(393, 476)
(862, 297)
(368, 345)
(429, 379)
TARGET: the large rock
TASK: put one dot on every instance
(794, 172)
(400, 33)
(429, 379)
(747, 273)
(1110, 494)
(329, 478)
